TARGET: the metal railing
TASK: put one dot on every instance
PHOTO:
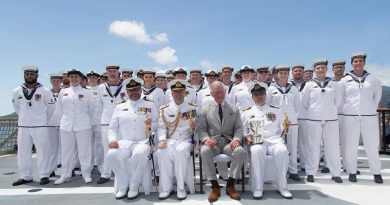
(8, 135)
(384, 148)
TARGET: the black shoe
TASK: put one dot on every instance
(59, 165)
(73, 173)
(357, 172)
(378, 179)
(303, 169)
(53, 174)
(337, 179)
(310, 178)
(102, 180)
(158, 179)
(20, 182)
(325, 170)
(295, 177)
(44, 180)
(352, 178)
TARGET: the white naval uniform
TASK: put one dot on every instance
(303, 137)
(288, 100)
(240, 96)
(97, 146)
(128, 128)
(156, 95)
(361, 96)
(76, 106)
(174, 160)
(54, 133)
(32, 109)
(108, 98)
(321, 100)
(204, 98)
(271, 120)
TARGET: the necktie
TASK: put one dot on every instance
(220, 112)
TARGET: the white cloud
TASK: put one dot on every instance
(164, 56)
(136, 31)
(382, 72)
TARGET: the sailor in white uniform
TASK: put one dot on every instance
(150, 89)
(175, 128)
(321, 98)
(31, 102)
(361, 93)
(284, 95)
(76, 107)
(181, 74)
(132, 123)
(240, 95)
(263, 127)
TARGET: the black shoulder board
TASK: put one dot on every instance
(247, 109)
(147, 99)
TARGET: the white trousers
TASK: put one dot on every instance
(138, 155)
(328, 132)
(292, 146)
(368, 128)
(55, 156)
(106, 169)
(302, 141)
(342, 141)
(175, 160)
(26, 138)
(76, 145)
(97, 147)
(259, 154)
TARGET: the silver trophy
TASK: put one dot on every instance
(257, 129)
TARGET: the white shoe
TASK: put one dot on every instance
(181, 194)
(61, 180)
(132, 194)
(87, 180)
(164, 195)
(121, 194)
(285, 193)
(258, 194)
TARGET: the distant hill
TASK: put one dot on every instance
(10, 116)
(385, 97)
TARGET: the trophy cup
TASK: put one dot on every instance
(257, 128)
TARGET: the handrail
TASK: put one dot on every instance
(383, 112)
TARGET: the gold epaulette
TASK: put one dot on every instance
(247, 109)
(164, 106)
(147, 99)
(192, 104)
(121, 102)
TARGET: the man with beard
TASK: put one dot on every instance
(131, 125)
(65, 80)
(110, 94)
(263, 73)
(97, 147)
(30, 102)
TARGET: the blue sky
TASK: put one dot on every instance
(58, 35)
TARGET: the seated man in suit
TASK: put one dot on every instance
(220, 131)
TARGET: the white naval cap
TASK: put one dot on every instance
(179, 70)
(262, 68)
(30, 68)
(282, 68)
(299, 65)
(320, 61)
(161, 75)
(177, 84)
(127, 70)
(257, 87)
(338, 62)
(247, 68)
(149, 71)
(211, 72)
(55, 75)
(227, 67)
(132, 83)
(112, 66)
(358, 54)
(196, 70)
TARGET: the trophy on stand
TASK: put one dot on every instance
(286, 125)
(257, 128)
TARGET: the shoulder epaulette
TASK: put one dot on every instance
(274, 106)
(192, 104)
(164, 106)
(247, 109)
(147, 99)
(121, 102)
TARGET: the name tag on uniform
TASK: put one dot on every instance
(125, 109)
(275, 93)
(171, 115)
(81, 97)
(66, 94)
(20, 97)
(349, 81)
(37, 97)
(105, 95)
(316, 86)
(252, 116)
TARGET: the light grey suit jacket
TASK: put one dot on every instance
(210, 126)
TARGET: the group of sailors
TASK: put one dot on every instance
(108, 120)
